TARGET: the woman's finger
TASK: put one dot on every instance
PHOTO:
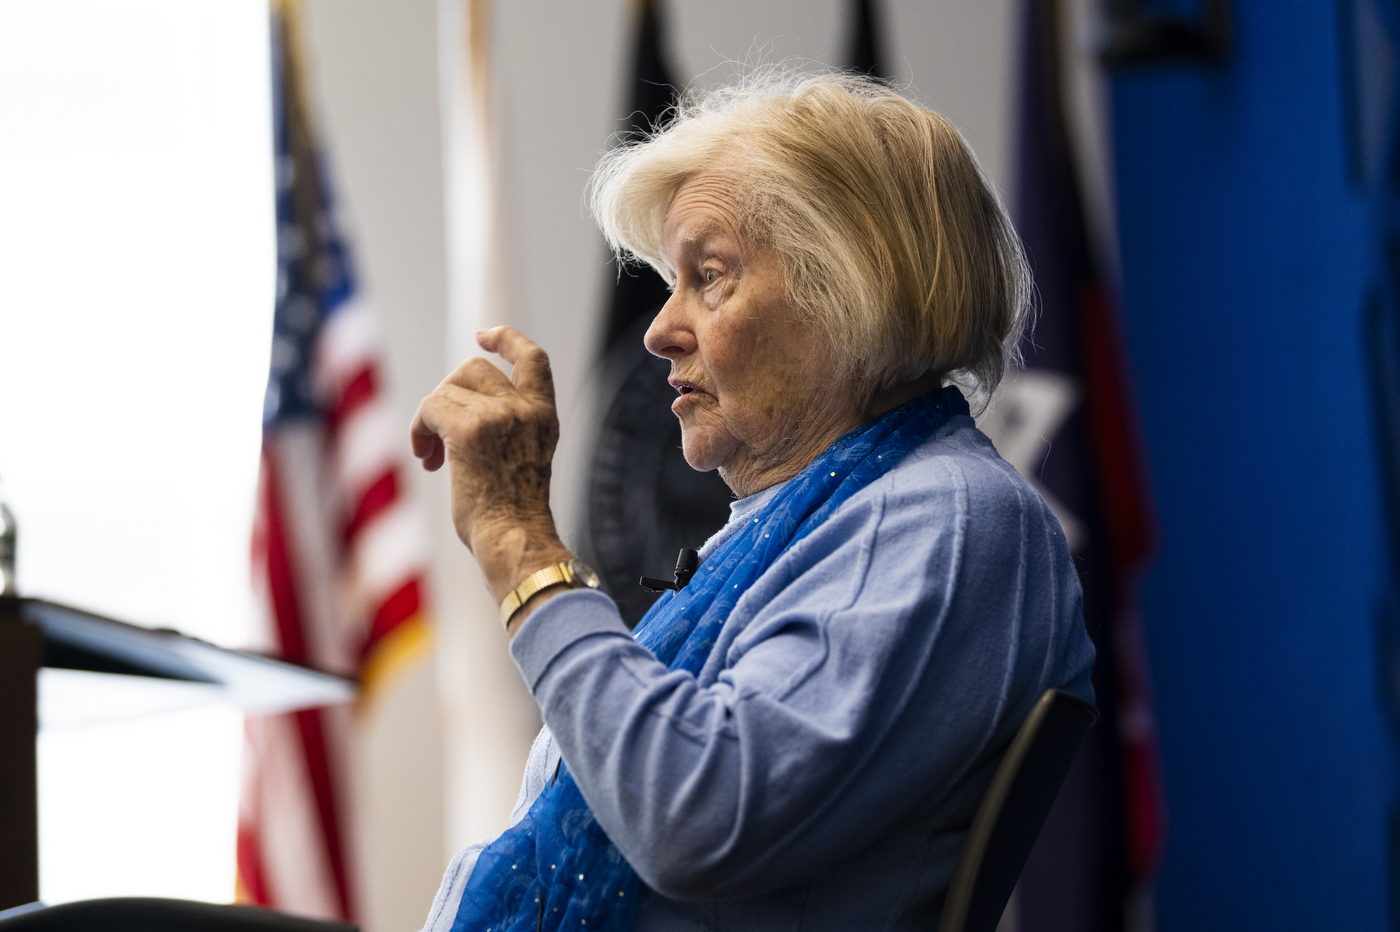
(452, 412)
(530, 373)
(478, 375)
(427, 444)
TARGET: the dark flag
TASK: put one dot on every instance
(1092, 867)
(865, 52)
(639, 290)
(644, 501)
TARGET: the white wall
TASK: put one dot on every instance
(390, 77)
(376, 82)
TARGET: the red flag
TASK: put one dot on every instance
(1092, 869)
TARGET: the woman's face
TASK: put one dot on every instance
(757, 399)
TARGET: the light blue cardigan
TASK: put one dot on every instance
(821, 771)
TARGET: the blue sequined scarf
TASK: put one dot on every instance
(555, 868)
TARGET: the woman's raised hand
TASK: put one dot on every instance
(497, 436)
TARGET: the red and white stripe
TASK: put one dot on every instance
(339, 561)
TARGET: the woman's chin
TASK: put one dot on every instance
(701, 462)
(701, 452)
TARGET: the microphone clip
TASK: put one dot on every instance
(687, 562)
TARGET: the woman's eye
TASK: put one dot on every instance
(711, 276)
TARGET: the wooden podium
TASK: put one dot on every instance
(176, 671)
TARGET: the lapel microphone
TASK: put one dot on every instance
(687, 562)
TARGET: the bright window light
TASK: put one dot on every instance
(136, 289)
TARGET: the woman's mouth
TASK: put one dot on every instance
(686, 389)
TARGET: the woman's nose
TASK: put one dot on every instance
(669, 334)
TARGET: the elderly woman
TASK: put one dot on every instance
(799, 738)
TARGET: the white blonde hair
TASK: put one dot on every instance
(894, 245)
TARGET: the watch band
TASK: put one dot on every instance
(571, 573)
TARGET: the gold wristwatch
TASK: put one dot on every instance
(574, 574)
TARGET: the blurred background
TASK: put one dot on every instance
(1207, 190)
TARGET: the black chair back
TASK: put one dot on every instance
(1013, 810)
(154, 914)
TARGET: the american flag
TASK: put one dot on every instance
(338, 556)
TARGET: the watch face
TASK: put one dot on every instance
(584, 573)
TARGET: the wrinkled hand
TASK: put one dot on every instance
(497, 436)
